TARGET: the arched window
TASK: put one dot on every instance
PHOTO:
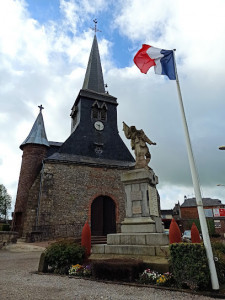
(95, 111)
(99, 112)
(103, 114)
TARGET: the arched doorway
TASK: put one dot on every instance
(103, 216)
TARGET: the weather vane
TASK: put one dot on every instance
(95, 28)
(41, 107)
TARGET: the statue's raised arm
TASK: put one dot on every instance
(126, 130)
(139, 144)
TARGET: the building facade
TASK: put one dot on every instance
(62, 185)
(214, 211)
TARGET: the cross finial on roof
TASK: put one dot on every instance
(41, 107)
(95, 28)
(106, 85)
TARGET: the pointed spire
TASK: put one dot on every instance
(94, 78)
(37, 134)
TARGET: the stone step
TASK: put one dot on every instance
(150, 239)
(21, 240)
(98, 240)
(156, 263)
(156, 250)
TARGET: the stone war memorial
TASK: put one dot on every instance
(91, 176)
(142, 232)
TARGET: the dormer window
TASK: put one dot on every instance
(99, 112)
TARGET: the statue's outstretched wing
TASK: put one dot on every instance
(146, 139)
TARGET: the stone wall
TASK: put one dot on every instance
(7, 237)
(67, 192)
(31, 209)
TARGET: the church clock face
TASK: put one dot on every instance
(99, 125)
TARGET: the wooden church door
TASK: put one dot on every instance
(103, 217)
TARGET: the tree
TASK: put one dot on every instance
(5, 202)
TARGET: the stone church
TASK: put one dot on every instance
(63, 185)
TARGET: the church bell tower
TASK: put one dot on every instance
(94, 132)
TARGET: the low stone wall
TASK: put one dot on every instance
(8, 237)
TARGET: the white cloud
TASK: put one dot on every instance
(194, 28)
(45, 64)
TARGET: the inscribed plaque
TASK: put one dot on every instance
(136, 210)
(153, 201)
(136, 195)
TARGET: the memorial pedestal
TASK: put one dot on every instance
(141, 234)
(142, 202)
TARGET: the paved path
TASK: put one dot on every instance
(17, 282)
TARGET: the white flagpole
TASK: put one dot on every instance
(202, 219)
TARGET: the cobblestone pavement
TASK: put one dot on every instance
(18, 282)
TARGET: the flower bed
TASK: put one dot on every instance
(153, 277)
(80, 270)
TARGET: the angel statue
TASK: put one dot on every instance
(139, 144)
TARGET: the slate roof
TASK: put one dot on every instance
(54, 147)
(79, 159)
(191, 202)
(37, 134)
(55, 144)
(94, 78)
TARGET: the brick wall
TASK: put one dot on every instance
(30, 168)
(192, 212)
(66, 196)
(188, 213)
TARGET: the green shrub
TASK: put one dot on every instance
(218, 245)
(210, 225)
(190, 266)
(117, 269)
(219, 254)
(62, 254)
(216, 235)
(5, 227)
(197, 223)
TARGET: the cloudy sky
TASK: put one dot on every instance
(44, 50)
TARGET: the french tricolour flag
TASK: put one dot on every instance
(162, 60)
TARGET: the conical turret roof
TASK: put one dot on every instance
(37, 134)
(94, 78)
